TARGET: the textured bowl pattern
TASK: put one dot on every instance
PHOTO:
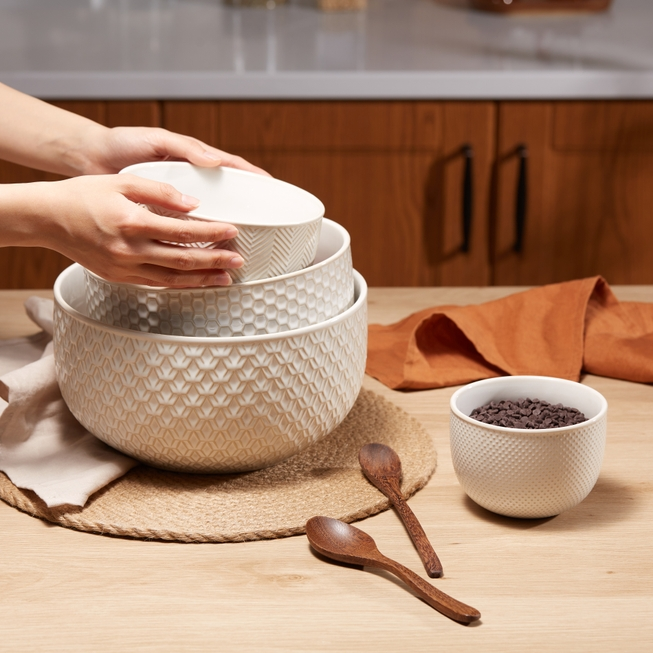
(307, 297)
(528, 473)
(207, 405)
(267, 251)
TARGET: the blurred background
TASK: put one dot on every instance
(461, 143)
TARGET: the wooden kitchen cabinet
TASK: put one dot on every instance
(589, 194)
(391, 173)
(35, 267)
(394, 174)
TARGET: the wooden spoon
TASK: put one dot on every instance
(382, 467)
(345, 543)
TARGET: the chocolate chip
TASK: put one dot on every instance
(528, 414)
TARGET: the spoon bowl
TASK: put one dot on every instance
(345, 543)
(382, 467)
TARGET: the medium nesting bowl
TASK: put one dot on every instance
(207, 405)
(302, 298)
(530, 473)
(278, 223)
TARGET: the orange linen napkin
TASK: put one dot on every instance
(555, 330)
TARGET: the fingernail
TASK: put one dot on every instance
(232, 232)
(236, 261)
(211, 156)
(188, 200)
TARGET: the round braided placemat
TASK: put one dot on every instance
(276, 502)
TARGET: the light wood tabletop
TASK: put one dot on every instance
(581, 581)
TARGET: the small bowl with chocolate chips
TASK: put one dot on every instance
(527, 446)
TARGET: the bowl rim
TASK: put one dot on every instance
(261, 179)
(245, 284)
(506, 430)
(360, 285)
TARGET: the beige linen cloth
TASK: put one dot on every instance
(43, 448)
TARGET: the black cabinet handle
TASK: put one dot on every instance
(468, 197)
(520, 200)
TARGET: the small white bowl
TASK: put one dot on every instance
(530, 473)
(278, 223)
(207, 405)
(314, 294)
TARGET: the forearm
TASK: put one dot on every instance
(100, 222)
(39, 135)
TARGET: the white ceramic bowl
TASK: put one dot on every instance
(527, 472)
(314, 294)
(278, 223)
(207, 405)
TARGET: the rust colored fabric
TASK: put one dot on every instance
(555, 330)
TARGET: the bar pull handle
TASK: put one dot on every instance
(468, 197)
(521, 198)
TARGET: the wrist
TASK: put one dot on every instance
(80, 154)
(24, 211)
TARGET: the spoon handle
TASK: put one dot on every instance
(429, 557)
(442, 602)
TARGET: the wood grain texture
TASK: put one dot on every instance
(194, 118)
(603, 126)
(132, 113)
(382, 467)
(390, 172)
(577, 582)
(588, 211)
(332, 126)
(541, 6)
(346, 543)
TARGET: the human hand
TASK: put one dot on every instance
(97, 221)
(111, 150)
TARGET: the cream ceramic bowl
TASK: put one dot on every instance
(527, 472)
(278, 223)
(207, 405)
(302, 298)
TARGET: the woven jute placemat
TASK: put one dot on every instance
(326, 479)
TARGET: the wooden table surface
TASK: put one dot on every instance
(582, 581)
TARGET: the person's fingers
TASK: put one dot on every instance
(233, 161)
(147, 191)
(171, 145)
(178, 146)
(189, 259)
(153, 275)
(142, 223)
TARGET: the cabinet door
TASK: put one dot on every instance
(34, 267)
(589, 197)
(392, 173)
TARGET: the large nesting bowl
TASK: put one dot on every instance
(207, 405)
(278, 223)
(529, 473)
(302, 298)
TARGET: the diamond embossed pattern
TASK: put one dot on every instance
(527, 475)
(275, 502)
(317, 294)
(210, 407)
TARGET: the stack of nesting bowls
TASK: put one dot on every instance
(221, 379)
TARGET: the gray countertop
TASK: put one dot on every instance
(396, 49)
